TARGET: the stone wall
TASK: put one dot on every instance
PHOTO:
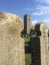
(11, 43)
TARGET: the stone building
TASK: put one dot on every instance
(27, 23)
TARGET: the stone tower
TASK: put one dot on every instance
(27, 23)
(39, 45)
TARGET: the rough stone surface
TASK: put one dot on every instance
(27, 23)
(11, 43)
(44, 44)
(39, 45)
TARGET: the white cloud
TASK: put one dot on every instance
(40, 10)
(46, 21)
(28, 9)
(34, 22)
(42, 1)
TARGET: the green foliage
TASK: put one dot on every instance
(26, 38)
(27, 56)
(27, 59)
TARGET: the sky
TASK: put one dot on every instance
(38, 9)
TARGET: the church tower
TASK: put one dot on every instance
(27, 23)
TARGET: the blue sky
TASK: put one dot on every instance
(38, 9)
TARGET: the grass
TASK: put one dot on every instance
(27, 59)
(27, 55)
